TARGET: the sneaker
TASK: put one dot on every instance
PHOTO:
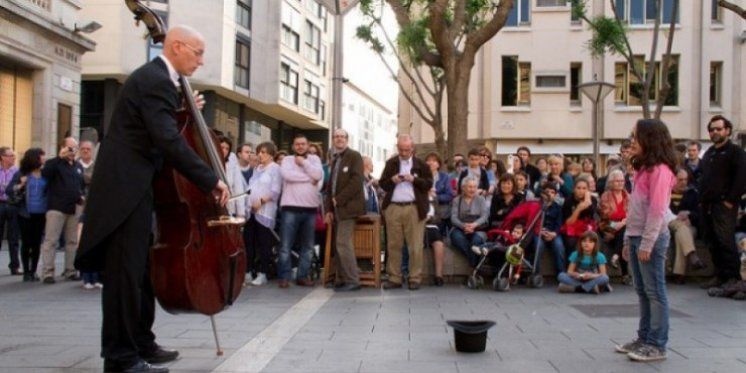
(99, 285)
(88, 286)
(596, 290)
(248, 279)
(628, 347)
(49, 280)
(609, 289)
(72, 276)
(646, 353)
(715, 282)
(615, 261)
(739, 296)
(260, 279)
(566, 288)
(627, 280)
(476, 250)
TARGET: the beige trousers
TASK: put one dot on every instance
(403, 225)
(56, 222)
(683, 238)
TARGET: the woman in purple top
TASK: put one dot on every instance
(646, 238)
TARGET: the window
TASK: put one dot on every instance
(311, 97)
(323, 56)
(312, 43)
(574, 19)
(324, 17)
(243, 57)
(292, 24)
(716, 83)
(576, 77)
(288, 83)
(64, 121)
(716, 14)
(155, 50)
(520, 15)
(629, 88)
(290, 38)
(640, 12)
(550, 81)
(548, 3)
(243, 13)
(516, 80)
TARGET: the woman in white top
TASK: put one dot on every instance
(265, 186)
(234, 178)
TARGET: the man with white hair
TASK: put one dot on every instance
(406, 180)
(142, 135)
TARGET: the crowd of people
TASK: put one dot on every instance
(424, 203)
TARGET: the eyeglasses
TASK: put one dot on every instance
(339, 136)
(9, 155)
(197, 52)
(716, 129)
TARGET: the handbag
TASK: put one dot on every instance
(17, 198)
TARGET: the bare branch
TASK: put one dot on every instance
(438, 30)
(391, 44)
(733, 8)
(475, 39)
(459, 19)
(666, 86)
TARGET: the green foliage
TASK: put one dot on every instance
(365, 33)
(608, 37)
(579, 8)
(413, 37)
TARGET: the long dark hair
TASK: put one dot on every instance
(657, 146)
(31, 160)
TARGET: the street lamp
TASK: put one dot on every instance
(596, 91)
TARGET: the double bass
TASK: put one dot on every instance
(197, 262)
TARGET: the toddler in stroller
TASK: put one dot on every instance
(506, 249)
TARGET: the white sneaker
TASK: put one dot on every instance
(248, 279)
(476, 250)
(99, 285)
(260, 279)
(88, 286)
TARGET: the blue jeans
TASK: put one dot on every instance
(587, 286)
(297, 230)
(90, 277)
(558, 252)
(650, 284)
(463, 242)
(9, 223)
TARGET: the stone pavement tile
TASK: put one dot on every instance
(330, 354)
(33, 349)
(41, 361)
(284, 364)
(701, 365)
(194, 364)
(404, 366)
(527, 365)
(694, 353)
(620, 365)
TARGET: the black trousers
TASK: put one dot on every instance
(720, 231)
(32, 229)
(259, 241)
(615, 246)
(128, 299)
(9, 219)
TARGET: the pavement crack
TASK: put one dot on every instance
(566, 336)
(593, 327)
(553, 366)
(678, 353)
(533, 344)
(702, 342)
(588, 354)
(743, 361)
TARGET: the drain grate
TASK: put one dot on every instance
(618, 310)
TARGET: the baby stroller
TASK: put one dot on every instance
(502, 242)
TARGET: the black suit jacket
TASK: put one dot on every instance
(143, 132)
(423, 181)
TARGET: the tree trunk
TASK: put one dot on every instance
(458, 75)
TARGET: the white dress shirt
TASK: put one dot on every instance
(171, 71)
(404, 191)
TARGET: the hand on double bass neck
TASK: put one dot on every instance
(221, 193)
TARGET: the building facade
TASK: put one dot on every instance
(266, 70)
(524, 85)
(41, 48)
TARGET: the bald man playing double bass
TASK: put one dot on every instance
(118, 216)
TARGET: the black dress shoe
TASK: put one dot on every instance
(160, 355)
(141, 366)
(347, 287)
(15, 272)
(438, 281)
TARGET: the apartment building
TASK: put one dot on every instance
(41, 47)
(524, 85)
(266, 71)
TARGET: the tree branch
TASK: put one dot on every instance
(459, 19)
(666, 86)
(475, 39)
(398, 56)
(733, 8)
(401, 13)
(439, 32)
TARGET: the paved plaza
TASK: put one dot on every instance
(55, 328)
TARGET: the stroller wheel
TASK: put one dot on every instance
(536, 281)
(501, 284)
(474, 282)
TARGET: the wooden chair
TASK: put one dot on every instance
(367, 243)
